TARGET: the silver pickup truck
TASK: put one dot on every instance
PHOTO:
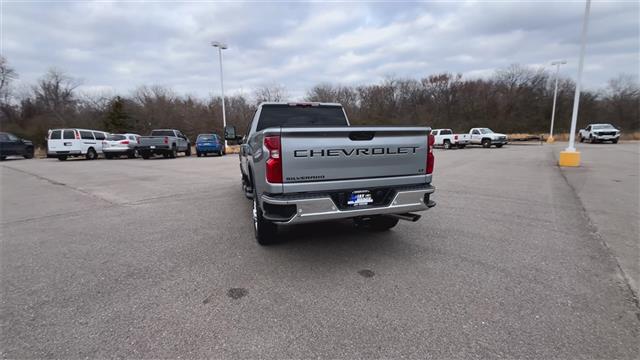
(303, 162)
(165, 142)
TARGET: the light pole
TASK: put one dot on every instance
(555, 94)
(571, 157)
(221, 46)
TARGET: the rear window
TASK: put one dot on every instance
(162, 133)
(68, 134)
(300, 116)
(99, 135)
(445, 132)
(55, 134)
(206, 138)
(116, 137)
(86, 135)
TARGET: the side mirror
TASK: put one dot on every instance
(230, 133)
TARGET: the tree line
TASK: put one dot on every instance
(516, 99)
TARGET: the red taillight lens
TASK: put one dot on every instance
(430, 158)
(274, 163)
(455, 137)
(166, 140)
(124, 142)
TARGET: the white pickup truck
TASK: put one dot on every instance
(599, 133)
(486, 137)
(447, 139)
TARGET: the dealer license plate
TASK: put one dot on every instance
(360, 198)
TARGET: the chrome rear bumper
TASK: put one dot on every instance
(320, 208)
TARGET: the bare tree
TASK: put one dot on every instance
(273, 92)
(7, 75)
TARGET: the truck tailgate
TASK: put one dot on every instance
(346, 153)
(152, 140)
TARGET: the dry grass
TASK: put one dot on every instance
(563, 136)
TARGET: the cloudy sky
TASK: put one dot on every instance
(120, 45)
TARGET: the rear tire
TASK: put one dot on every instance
(265, 230)
(188, 152)
(62, 157)
(580, 138)
(174, 152)
(592, 139)
(447, 144)
(615, 141)
(486, 143)
(29, 154)
(133, 154)
(198, 154)
(91, 154)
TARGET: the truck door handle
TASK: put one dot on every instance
(361, 135)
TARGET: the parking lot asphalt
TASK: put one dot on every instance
(156, 259)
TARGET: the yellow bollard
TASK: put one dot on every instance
(569, 158)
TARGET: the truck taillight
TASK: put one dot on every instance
(455, 137)
(274, 163)
(430, 159)
(166, 140)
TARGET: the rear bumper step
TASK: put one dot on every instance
(320, 208)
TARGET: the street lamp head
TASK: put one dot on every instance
(559, 62)
(219, 44)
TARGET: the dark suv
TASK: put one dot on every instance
(13, 145)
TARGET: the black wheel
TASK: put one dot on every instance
(615, 141)
(174, 152)
(29, 154)
(592, 139)
(133, 154)
(91, 154)
(62, 157)
(447, 144)
(486, 143)
(198, 154)
(499, 145)
(580, 138)
(188, 152)
(265, 230)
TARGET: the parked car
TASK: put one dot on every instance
(447, 139)
(303, 162)
(11, 145)
(65, 143)
(486, 137)
(165, 142)
(116, 145)
(599, 132)
(209, 143)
